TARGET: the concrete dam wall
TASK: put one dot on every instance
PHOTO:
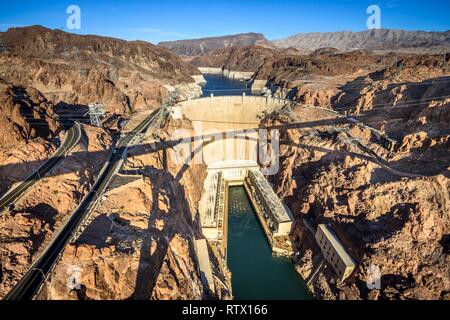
(236, 112)
(228, 125)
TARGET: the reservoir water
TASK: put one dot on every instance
(221, 86)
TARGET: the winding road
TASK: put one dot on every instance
(72, 138)
(30, 283)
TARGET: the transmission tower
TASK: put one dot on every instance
(173, 98)
(96, 112)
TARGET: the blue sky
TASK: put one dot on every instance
(156, 21)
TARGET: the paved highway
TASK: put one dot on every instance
(30, 283)
(73, 136)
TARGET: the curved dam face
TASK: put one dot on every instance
(240, 110)
(241, 217)
(227, 125)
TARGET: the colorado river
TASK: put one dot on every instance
(256, 273)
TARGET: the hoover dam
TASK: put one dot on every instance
(132, 172)
(240, 215)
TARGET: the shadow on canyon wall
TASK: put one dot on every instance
(150, 263)
(5, 169)
(154, 242)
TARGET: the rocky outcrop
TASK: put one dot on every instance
(26, 230)
(319, 96)
(124, 253)
(402, 233)
(409, 102)
(18, 161)
(139, 242)
(78, 70)
(391, 222)
(25, 115)
(294, 67)
(248, 58)
(198, 47)
(28, 134)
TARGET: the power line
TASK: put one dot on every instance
(341, 103)
(367, 82)
(408, 101)
(302, 68)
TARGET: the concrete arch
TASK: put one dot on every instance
(229, 122)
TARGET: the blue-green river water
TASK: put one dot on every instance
(256, 273)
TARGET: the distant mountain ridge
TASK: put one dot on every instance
(197, 47)
(382, 39)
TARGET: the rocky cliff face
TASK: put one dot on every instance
(79, 70)
(29, 127)
(320, 63)
(198, 47)
(393, 93)
(26, 230)
(385, 219)
(25, 114)
(123, 253)
(139, 242)
(384, 39)
(401, 232)
(248, 58)
(411, 77)
(409, 101)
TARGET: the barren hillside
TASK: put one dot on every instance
(196, 47)
(78, 70)
(384, 39)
